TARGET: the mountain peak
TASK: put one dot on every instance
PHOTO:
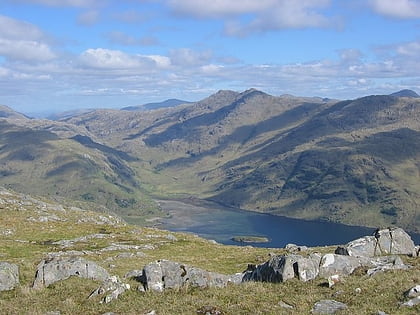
(405, 93)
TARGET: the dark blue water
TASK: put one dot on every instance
(219, 223)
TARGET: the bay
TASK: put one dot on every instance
(220, 223)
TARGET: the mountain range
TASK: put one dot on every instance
(352, 161)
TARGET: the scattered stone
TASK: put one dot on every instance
(413, 292)
(71, 242)
(328, 307)
(51, 270)
(413, 302)
(285, 305)
(358, 290)
(112, 284)
(9, 276)
(383, 242)
(165, 274)
(209, 310)
(293, 248)
(381, 313)
(171, 237)
(333, 280)
(152, 312)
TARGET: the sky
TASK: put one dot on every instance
(59, 55)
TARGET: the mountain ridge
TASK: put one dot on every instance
(352, 161)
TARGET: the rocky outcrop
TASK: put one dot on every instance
(358, 253)
(54, 269)
(333, 264)
(9, 276)
(383, 242)
(113, 285)
(165, 274)
(328, 307)
(284, 267)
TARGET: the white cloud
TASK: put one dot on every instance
(263, 15)
(411, 49)
(25, 50)
(404, 9)
(23, 41)
(15, 29)
(108, 59)
(188, 57)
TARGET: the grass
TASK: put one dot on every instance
(31, 241)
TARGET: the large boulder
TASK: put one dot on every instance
(284, 267)
(54, 269)
(383, 242)
(166, 274)
(333, 264)
(9, 276)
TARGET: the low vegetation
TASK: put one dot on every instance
(31, 228)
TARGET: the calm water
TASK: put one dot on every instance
(212, 221)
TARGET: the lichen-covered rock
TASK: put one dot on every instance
(333, 264)
(54, 269)
(284, 267)
(165, 274)
(114, 285)
(9, 276)
(384, 263)
(328, 307)
(383, 242)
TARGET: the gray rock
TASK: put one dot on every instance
(416, 252)
(383, 242)
(385, 263)
(165, 274)
(284, 267)
(293, 248)
(328, 307)
(381, 313)
(9, 276)
(54, 269)
(112, 284)
(333, 264)
(413, 292)
(413, 302)
(285, 305)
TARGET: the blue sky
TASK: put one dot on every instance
(58, 55)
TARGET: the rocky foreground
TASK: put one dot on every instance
(39, 262)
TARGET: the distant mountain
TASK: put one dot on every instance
(149, 106)
(7, 112)
(69, 113)
(353, 161)
(406, 93)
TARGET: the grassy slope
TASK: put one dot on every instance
(70, 168)
(25, 243)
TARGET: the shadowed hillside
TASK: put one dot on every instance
(353, 161)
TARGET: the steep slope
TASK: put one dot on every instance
(47, 158)
(354, 161)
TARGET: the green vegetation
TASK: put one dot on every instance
(29, 240)
(250, 239)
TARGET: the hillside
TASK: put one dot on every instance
(34, 230)
(354, 161)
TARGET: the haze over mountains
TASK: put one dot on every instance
(354, 161)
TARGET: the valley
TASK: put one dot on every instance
(355, 162)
